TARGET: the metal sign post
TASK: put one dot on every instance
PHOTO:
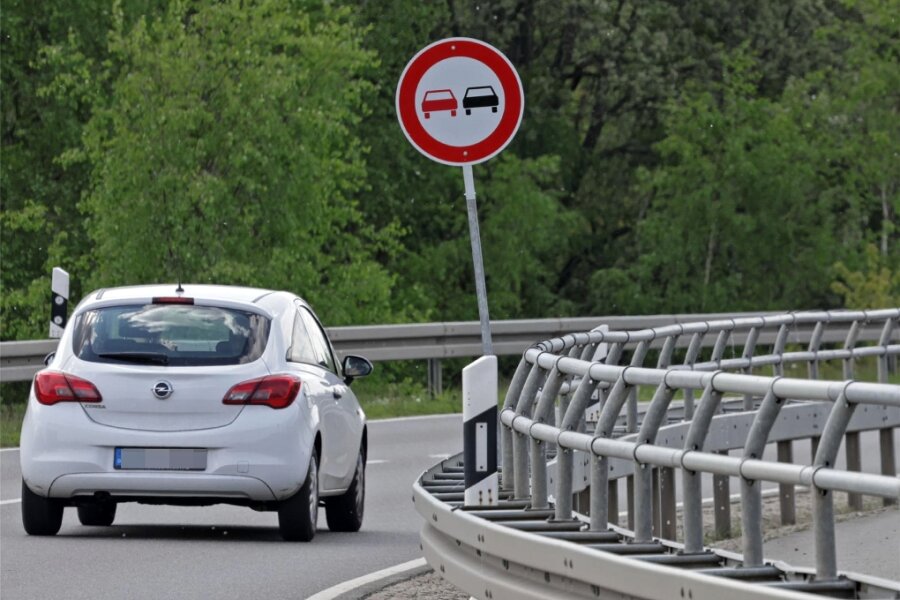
(460, 102)
(477, 261)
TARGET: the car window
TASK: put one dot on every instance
(170, 334)
(320, 341)
(302, 347)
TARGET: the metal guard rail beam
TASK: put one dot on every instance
(19, 361)
(564, 370)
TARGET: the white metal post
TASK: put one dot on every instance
(59, 303)
(479, 382)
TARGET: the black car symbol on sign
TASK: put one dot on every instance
(481, 96)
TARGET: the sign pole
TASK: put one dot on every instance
(477, 261)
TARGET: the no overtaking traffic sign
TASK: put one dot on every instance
(459, 101)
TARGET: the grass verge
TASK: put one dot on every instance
(11, 414)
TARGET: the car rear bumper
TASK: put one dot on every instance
(262, 456)
(162, 485)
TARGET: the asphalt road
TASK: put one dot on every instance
(222, 551)
(232, 552)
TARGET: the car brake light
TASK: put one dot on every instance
(172, 300)
(276, 391)
(51, 387)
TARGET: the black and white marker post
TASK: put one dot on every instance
(460, 102)
(59, 302)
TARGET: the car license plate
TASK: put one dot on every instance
(160, 459)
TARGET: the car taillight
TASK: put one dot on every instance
(51, 387)
(277, 391)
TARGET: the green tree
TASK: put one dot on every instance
(734, 219)
(47, 47)
(224, 153)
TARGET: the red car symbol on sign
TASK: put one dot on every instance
(438, 100)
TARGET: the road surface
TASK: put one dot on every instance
(223, 552)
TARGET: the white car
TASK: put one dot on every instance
(195, 395)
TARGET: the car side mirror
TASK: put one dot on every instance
(355, 367)
(49, 358)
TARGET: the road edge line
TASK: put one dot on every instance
(378, 577)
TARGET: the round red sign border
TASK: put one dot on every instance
(408, 115)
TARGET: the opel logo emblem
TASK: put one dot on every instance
(162, 390)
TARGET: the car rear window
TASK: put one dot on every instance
(170, 334)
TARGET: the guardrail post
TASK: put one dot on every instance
(888, 458)
(571, 419)
(435, 379)
(814, 344)
(668, 518)
(690, 357)
(506, 434)
(778, 349)
(884, 358)
(751, 493)
(613, 502)
(479, 380)
(749, 347)
(644, 474)
(854, 463)
(654, 501)
(629, 498)
(631, 416)
(786, 501)
(722, 500)
(823, 500)
(520, 441)
(538, 448)
(600, 464)
(692, 514)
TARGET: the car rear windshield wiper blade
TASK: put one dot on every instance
(156, 358)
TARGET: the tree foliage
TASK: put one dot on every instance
(693, 156)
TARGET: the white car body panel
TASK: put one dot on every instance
(255, 453)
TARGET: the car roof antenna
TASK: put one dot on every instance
(179, 289)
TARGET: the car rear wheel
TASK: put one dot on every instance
(97, 515)
(297, 516)
(345, 512)
(40, 516)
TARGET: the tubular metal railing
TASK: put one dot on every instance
(565, 378)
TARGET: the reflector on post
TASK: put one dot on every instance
(479, 381)
(59, 302)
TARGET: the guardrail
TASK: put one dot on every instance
(19, 361)
(536, 545)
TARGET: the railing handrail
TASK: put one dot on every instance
(564, 370)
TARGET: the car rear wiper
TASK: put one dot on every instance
(155, 358)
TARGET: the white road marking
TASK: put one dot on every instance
(376, 461)
(347, 586)
(440, 456)
(8, 449)
(13, 501)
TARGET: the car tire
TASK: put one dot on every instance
(40, 516)
(345, 512)
(297, 516)
(97, 515)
